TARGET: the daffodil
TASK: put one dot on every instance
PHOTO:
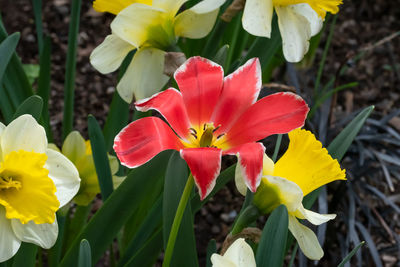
(298, 21)
(304, 167)
(239, 254)
(79, 151)
(211, 116)
(150, 27)
(34, 183)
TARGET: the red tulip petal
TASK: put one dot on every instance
(250, 159)
(200, 81)
(170, 104)
(205, 165)
(141, 140)
(240, 91)
(275, 114)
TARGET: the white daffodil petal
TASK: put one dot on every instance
(2, 127)
(308, 241)
(239, 180)
(257, 17)
(9, 243)
(290, 193)
(220, 261)
(144, 76)
(43, 235)
(316, 22)
(316, 218)
(108, 56)
(74, 146)
(64, 175)
(198, 21)
(132, 23)
(114, 164)
(170, 6)
(117, 181)
(241, 254)
(295, 31)
(24, 133)
(268, 166)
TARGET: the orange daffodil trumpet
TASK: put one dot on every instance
(211, 116)
(239, 254)
(298, 21)
(304, 167)
(150, 27)
(34, 183)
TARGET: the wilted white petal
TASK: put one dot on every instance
(316, 22)
(257, 17)
(316, 218)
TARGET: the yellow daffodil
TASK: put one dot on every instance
(79, 151)
(304, 167)
(239, 254)
(298, 21)
(34, 183)
(150, 27)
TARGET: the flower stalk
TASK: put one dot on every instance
(177, 221)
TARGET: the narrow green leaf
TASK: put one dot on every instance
(149, 252)
(54, 254)
(70, 68)
(271, 249)
(185, 247)
(6, 106)
(7, 49)
(26, 255)
(100, 157)
(221, 55)
(43, 88)
(151, 224)
(116, 210)
(85, 255)
(351, 254)
(76, 224)
(211, 249)
(32, 105)
(37, 11)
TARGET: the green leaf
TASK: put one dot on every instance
(271, 249)
(7, 49)
(32, 105)
(116, 210)
(31, 71)
(100, 157)
(43, 87)
(26, 255)
(211, 249)
(85, 257)
(70, 68)
(351, 254)
(175, 180)
(221, 55)
(151, 224)
(149, 252)
(37, 11)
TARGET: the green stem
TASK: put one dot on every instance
(177, 221)
(277, 146)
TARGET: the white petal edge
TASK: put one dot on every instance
(307, 240)
(43, 235)
(9, 243)
(64, 175)
(295, 31)
(108, 56)
(2, 127)
(74, 146)
(23, 133)
(316, 22)
(199, 20)
(290, 193)
(132, 22)
(257, 17)
(144, 76)
(314, 217)
(220, 261)
(170, 6)
(241, 254)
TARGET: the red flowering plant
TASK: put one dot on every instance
(209, 117)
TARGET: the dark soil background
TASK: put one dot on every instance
(362, 26)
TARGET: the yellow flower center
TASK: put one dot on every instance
(319, 6)
(26, 191)
(205, 136)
